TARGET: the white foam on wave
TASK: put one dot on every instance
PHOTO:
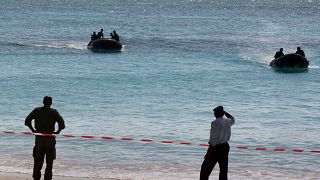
(78, 46)
(161, 172)
(314, 67)
(259, 58)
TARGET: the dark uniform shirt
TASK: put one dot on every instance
(301, 52)
(278, 54)
(45, 119)
(116, 37)
(100, 35)
(94, 37)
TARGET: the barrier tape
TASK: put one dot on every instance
(161, 142)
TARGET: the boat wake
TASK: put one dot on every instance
(73, 45)
(11, 44)
(78, 46)
(314, 67)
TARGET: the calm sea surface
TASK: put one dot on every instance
(181, 58)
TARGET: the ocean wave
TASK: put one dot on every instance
(164, 172)
(314, 67)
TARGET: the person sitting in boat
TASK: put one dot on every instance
(111, 36)
(94, 36)
(300, 52)
(115, 36)
(100, 34)
(279, 53)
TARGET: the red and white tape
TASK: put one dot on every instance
(160, 141)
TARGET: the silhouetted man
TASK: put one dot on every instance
(218, 150)
(94, 36)
(111, 36)
(44, 122)
(116, 36)
(100, 34)
(300, 51)
(279, 53)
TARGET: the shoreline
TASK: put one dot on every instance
(24, 176)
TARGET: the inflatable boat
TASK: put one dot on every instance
(290, 62)
(102, 45)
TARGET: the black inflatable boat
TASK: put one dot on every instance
(102, 45)
(290, 62)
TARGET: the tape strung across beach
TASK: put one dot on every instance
(186, 143)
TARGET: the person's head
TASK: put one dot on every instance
(298, 48)
(218, 111)
(47, 101)
(281, 49)
(101, 30)
(114, 32)
(94, 32)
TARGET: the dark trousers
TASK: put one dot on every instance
(44, 147)
(218, 153)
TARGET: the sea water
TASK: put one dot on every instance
(181, 58)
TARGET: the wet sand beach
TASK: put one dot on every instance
(20, 176)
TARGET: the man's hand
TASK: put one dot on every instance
(32, 129)
(209, 152)
(228, 115)
(58, 132)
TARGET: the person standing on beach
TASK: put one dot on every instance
(44, 122)
(218, 150)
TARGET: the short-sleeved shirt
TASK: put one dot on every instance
(221, 130)
(45, 119)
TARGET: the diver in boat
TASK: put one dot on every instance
(94, 36)
(116, 36)
(100, 34)
(111, 36)
(279, 53)
(300, 52)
